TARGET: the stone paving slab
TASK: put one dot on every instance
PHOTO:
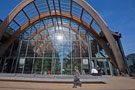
(114, 83)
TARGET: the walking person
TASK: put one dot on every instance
(76, 77)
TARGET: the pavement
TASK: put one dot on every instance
(114, 83)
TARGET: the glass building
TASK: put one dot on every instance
(52, 36)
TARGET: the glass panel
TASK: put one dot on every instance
(31, 10)
(39, 25)
(7, 64)
(74, 24)
(76, 49)
(21, 18)
(13, 26)
(86, 66)
(38, 65)
(56, 66)
(94, 47)
(21, 63)
(65, 5)
(103, 66)
(56, 5)
(86, 17)
(67, 66)
(42, 6)
(51, 5)
(47, 66)
(76, 9)
(40, 49)
(76, 62)
(95, 26)
(48, 49)
(30, 52)
(23, 49)
(28, 65)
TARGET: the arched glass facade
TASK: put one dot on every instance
(53, 36)
(55, 50)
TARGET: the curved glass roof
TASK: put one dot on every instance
(38, 7)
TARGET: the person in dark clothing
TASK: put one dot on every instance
(76, 77)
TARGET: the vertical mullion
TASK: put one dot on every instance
(110, 67)
(71, 51)
(60, 11)
(4, 65)
(81, 13)
(71, 7)
(34, 58)
(48, 7)
(54, 6)
(40, 35)
(55, 12)
(12, 65)
(42, 57)
(35, 28)
(40, 32)
(43, 24)
(61, 20)
(11, 49)
(49, 11)
(90, 52)
(20, 46)
(0, 61)
(80, 51)
(25, 56)
(70, 22)
(59, 6)
(36, 8)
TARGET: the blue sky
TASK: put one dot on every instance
(118, 14)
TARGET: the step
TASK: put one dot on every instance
(52, 78)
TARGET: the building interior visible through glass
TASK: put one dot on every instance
(56, 49)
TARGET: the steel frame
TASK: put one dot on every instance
(101, 41)
(115, 54)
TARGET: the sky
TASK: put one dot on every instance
(118, 14)
(120, 17)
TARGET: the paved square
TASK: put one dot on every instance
(114, 83)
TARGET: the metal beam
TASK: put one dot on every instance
(35, 28)
(81, 14)
(60, 11)
(48, 7)
(59, 6)
(64, 25)
(17, 23)
(54, 6)
(71, 10)
(36, 8)
(55, 11)
(26, 14)
(91, 21)
(71, 7)
(49, 11)
(43, 24)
